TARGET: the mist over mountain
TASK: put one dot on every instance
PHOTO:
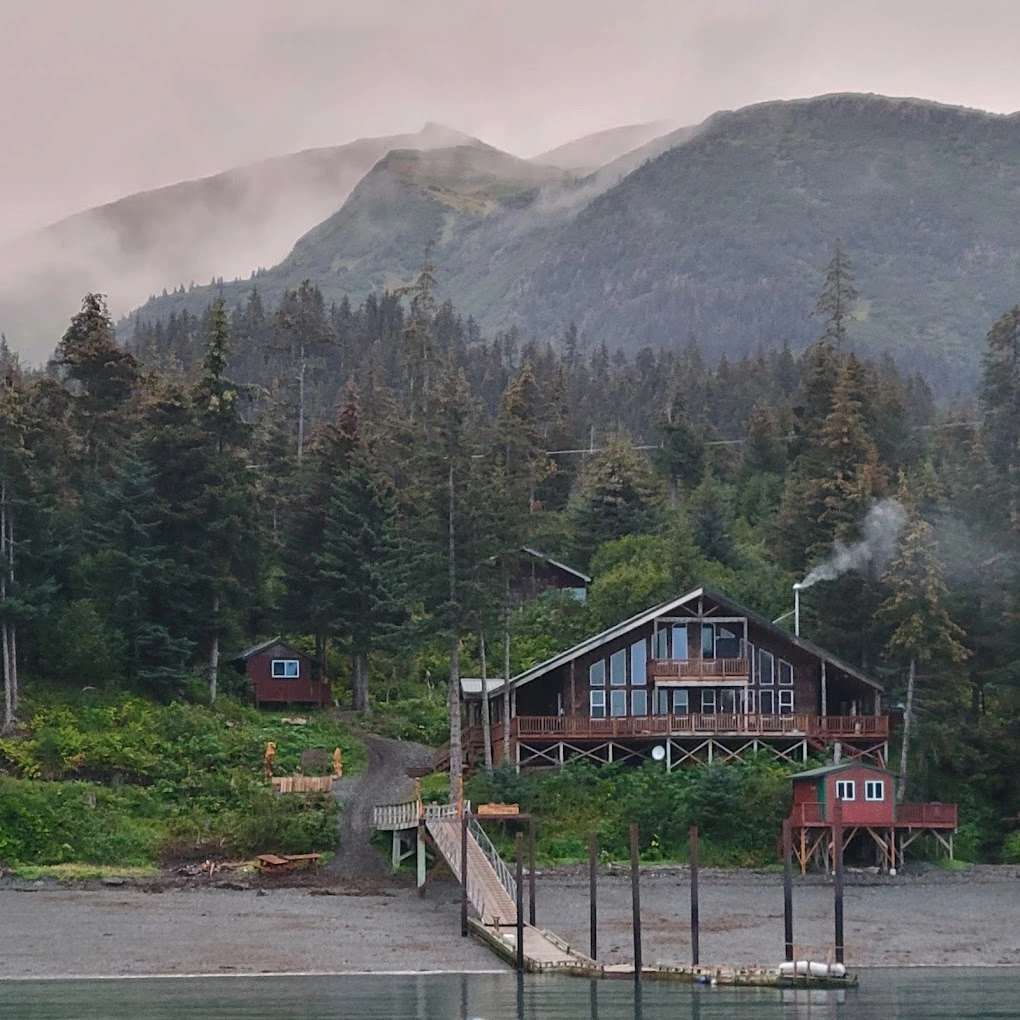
(224, 225)
(720, 231)
(596, 150)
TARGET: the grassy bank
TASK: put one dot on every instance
(117, 780)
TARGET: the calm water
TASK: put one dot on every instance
(912, 995)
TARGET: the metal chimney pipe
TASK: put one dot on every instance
(796, 609)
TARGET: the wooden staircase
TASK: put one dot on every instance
(493, 901)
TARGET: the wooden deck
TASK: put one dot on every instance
(582, 727)
(812, 814)
(711, 670)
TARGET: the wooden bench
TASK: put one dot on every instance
(273, 864)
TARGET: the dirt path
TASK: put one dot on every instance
(385, 781)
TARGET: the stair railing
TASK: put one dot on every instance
(506, 879)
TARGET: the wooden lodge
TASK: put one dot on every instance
(701, 677)
(281, 674)
(865, 796)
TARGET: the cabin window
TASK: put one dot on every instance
(598, 704)
(707, 641)
(286, 669)
(785, 673)
(639, 665)
(680, 641)
(639, 702)
(618, 668)
(708, 702)
(681, 702)
(785, 702)
(846, 789)
(874, 789)
(597, 676)
(727, 701)
(749, 702)
(727, 644)
(766, 668)
(767, 702)
(753, 662)
(662, 644)
(618, 703)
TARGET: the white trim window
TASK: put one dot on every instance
(285, 669)
(846, 789)
(708, 701)
(749, 702)
(597, 701)
(618, 703)
(874, 789)
(681, 701)
(766, 668)
(785, 674)
(639, 702)
(766, 702)
(597, 675)
(786, 702)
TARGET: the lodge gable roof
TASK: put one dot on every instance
(647, 616)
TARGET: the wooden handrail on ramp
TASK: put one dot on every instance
(490, 889)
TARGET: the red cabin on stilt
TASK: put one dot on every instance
(867, 797)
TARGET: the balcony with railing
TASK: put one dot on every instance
(907, 816)
(581, 727)
(926, 816)
(694, 670)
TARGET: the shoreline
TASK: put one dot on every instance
(322, 927)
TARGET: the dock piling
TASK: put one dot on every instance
(695, 923)
(837, 874)
(463, 875)
(635, 893)
(531, 871)
(788, 889)
(593, 863)
(520, 901)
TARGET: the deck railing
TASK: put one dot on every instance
(506, 879)
(698, 669)
(584, 727)
(810, 812)
(933, 815)
(923, 816)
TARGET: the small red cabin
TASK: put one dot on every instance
(866, 792)
(284, 675)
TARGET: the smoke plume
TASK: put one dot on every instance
(882, 528)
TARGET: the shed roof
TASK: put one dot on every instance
(619, 629)
(556, 563)
(471, 686)
(262, 646)
(850, 763)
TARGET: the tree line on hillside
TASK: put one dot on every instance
(363, 479)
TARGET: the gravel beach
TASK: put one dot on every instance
(933, 918)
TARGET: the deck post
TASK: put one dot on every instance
(837, 875)
(421, 855)
(635, 897)
(531, 871)
(519, 847)
(695, 925)
(395, 851)
(463, 876)
(788, 889)
(593, 864)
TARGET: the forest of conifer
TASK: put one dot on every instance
(362, 478)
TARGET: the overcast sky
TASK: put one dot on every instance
(105, 97)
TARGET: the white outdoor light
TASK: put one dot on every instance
(658, 752)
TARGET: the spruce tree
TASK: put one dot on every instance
(837, 299)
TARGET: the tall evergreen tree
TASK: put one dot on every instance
(837, 299)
